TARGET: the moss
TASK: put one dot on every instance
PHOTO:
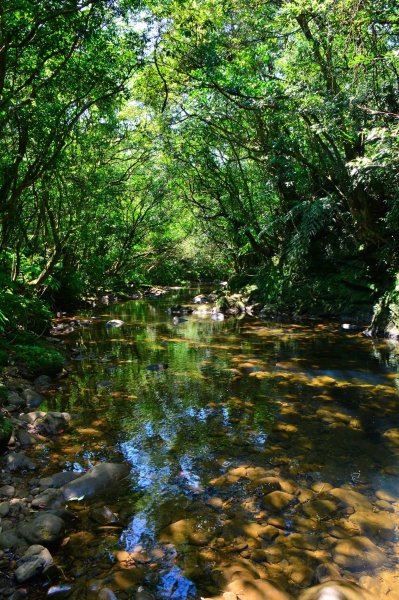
(5, 432)
(39, 360)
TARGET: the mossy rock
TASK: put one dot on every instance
(39, 360)
(5, 432)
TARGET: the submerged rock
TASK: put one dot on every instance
(160, 367)
(358, 553)
(98, 480)
(36, 560)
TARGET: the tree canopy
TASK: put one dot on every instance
(164, 141)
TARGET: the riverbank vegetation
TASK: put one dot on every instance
(168, 142)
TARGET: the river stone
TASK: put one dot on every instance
(59, 591)
(106, 594)
(376, 525)
(98, 480)
(326, 572)
(58, 479)
(25, 438)
(319, 508)
(301, 575)
(277, 500)
(336, 590)
(4, 509)
(358, 553)
(255, 589)
(43, 381)
(103, 515)
(274, 554)
(9, 539)
(50, 498)
(15, 399)
(114, 323)
(32, 398)
(36, 560)
(351, 498)
(7, 490)
(53, 422)
(44, 529)
(16, 461)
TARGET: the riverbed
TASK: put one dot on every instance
(263, 451)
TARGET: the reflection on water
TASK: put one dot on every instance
(264, 451)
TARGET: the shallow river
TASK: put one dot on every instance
(264, 451)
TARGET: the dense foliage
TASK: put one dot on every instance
(168, 141)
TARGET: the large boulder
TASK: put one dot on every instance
(97, 481)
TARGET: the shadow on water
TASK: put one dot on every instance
(264, 452)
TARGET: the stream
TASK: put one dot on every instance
(264, 451)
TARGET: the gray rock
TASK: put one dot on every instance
(25, 438)
(32, 398)
(58, 479)
(51, 498)
(98, 480)
(4, 509)
(43, 382)
(114, 323)
(44, 529)
(36, 560)
(10, 540)
(53, 423)
(17, 461)
(106, 594)
(7, 490)
(15, 399)
(32, 417)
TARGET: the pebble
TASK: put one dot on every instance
(4, 509)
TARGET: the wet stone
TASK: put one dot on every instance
(327, 572)
(7, 490)
(358, 553)
(277, 500)
(320, 508)
(59, 592)
(4, 509)
(352, 499)
(274, 554)
(376, 525)
(301, 575)
(35, 561)
(18, 461)
(44, 529)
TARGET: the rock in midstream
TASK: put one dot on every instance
(96, 481)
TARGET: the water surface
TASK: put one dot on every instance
(245, 408)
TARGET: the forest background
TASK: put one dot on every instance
(170, 141)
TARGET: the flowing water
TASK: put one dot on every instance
(264, 451)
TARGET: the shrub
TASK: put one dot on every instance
(39, 360)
